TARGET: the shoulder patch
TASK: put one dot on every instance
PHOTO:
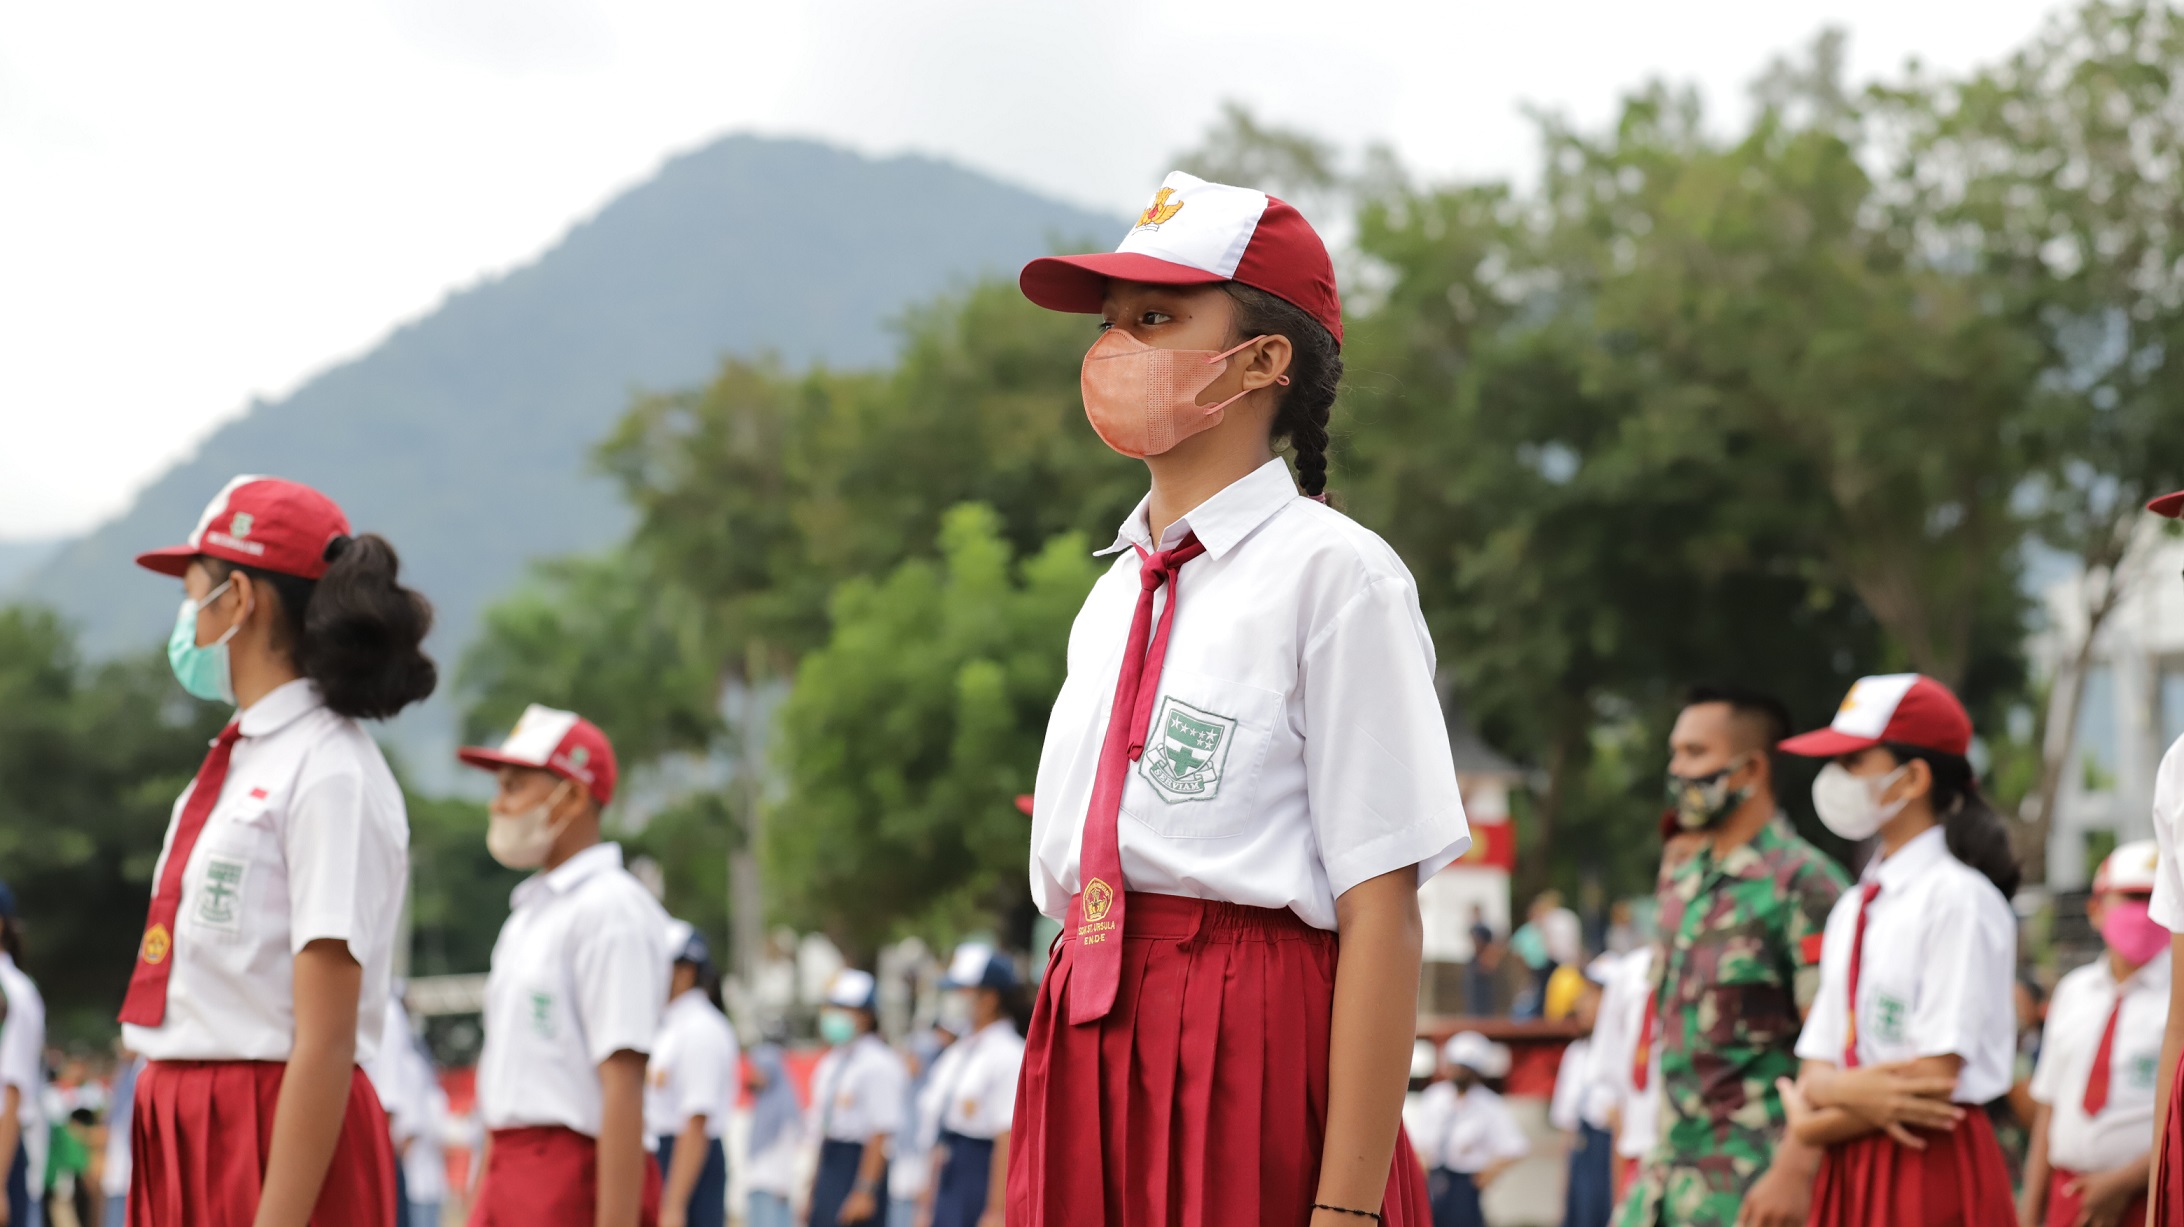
(1808, 949)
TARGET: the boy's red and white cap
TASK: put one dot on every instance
(1200, 233)
(2129, 869)
(558, 741)
(263, 522)
(1903, 708)
(2171, 505)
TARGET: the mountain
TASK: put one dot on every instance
(18, 559)
(464, 436)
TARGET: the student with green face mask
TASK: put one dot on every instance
(857, 1101)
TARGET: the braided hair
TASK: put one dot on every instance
(1315, 376)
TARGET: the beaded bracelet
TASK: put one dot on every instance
(1374, 1215)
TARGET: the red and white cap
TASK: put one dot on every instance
(558, 741)
(2129, 869)
(2171, 505)
(264, 522)
(1902, 708)
(1200, 233)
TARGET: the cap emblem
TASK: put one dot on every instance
(578, 756)
(239, 527)
(1159, 211)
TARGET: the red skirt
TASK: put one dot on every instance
(547, 1176)
(2064, 1204)
(1959, 1180)
(202, 1130)
(1201, 1098)
(2169, 1164)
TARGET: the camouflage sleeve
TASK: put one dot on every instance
(1813, 893)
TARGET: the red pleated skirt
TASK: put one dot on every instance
(2168, 1196)
(1959, 1180)
(1200, 1100)
(548, 1176)
(201, 1133)
(2064, 1204)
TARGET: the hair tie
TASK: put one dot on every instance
(338, 546)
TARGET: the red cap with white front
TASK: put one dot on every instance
(2129, 869)
(1899, 708)
(558, 741)
(2171, 505)
(264, 522)
(1200, 233)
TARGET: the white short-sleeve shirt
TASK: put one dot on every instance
(579, 973)
(2077, 1015)
(693, 1070)
(308, 841)
(1614, 1054)
(1939, 963)
(859, 1091)
(1468, 1131)
(2168, 904)
(22, 1053)
(972, 1090)
(1297, 745)
(1579, 1098)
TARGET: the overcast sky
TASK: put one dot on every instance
(205, 203)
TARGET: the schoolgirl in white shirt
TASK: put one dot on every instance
(22, 1068)
(1468, 1137)
(2093, 1123)
(690, 1088)
(1246, 768)
(971, 1096)
(278, 891)
(857, 1098)
(573, 999)
(1913, 1030)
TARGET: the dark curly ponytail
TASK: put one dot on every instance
(356, 631)
(1315, 376)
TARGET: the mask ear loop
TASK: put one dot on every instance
(234, 626)
(1225, 354)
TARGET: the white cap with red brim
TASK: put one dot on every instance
(1200, 233)
(561, 742)
(2129, 870)
(2171, 505)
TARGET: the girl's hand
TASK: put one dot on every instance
(1894, 1098)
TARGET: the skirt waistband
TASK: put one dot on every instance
(1177, 918)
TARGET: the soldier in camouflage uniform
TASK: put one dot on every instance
(1737, 965)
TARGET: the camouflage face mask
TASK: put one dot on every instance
(1702, 802)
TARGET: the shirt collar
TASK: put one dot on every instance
(280, 707)
(690, 999)
(1911, 860)
(1749, 859)
(568, 875)
(2154, 975)
(1222, 521)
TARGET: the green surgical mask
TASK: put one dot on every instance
(202, 669)
(837, 1028)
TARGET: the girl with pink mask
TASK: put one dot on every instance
(2094, 1086)
(1246, 774)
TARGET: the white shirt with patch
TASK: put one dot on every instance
(693, 1070)
(579, 973)
(859, 1091)
(2077, 1014)
(972, 1090)
(2168, 903)
(308, 841)
(1297, 745)
(1469, 1131)
(1937, 973)
(22, 1055)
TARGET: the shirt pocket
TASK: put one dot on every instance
(1743, 1001)
(1205, 749)
(239, 854)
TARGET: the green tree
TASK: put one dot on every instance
(909, 732)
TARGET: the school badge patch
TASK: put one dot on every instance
(157, 944)
(220, 894)
(1098, 897)
(1189, 748)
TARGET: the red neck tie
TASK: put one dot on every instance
(1097, 968)
(1857, 957)
(1641, 1063)
(146, 1004)
(2096, 1084)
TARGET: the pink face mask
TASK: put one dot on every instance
(1143, 400)
(2131, 933)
